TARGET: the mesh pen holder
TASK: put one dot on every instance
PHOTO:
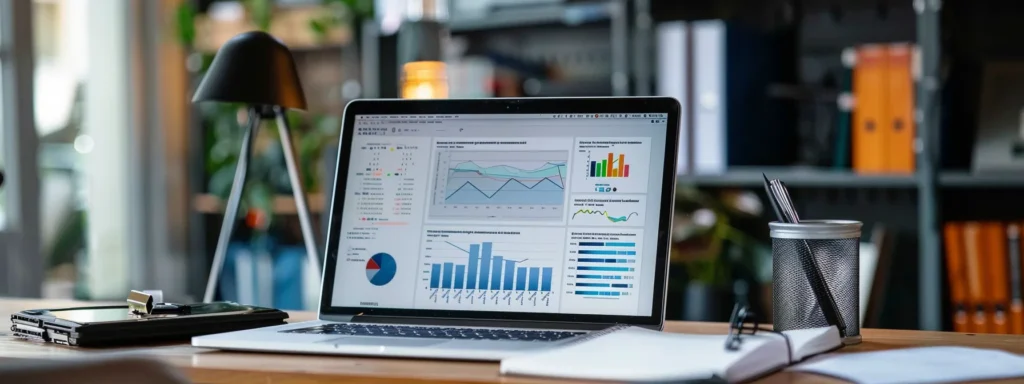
(835, 244)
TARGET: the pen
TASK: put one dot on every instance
(771, 198)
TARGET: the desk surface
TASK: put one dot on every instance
(210, 366)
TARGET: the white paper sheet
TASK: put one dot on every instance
(917, 365)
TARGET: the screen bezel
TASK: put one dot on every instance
(506, 106)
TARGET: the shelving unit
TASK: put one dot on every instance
(799, 177)
(540, 33)
(917, 194)
(627, 28)
(963, 179)
(542, 15)
(282, 205)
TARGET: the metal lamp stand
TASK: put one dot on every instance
(256, 114)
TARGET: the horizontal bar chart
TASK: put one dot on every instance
(605, 244)
(594, 260)
(604, 252)
(606, 269)
(600, 277)
(598, 293)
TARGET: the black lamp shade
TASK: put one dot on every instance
(253, 68)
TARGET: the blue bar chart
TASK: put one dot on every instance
(464, 268)
(603, 270)
(495, 272)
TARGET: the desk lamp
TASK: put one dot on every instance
(421, 50)
(256, 69)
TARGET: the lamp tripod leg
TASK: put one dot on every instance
(231, 209)
(300, 196)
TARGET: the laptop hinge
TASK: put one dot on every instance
(531, 324)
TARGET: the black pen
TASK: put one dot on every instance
(771, 199)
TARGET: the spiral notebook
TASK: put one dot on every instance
(639, 354)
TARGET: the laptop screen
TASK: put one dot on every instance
(542, 213)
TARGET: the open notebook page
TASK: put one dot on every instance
(640, 354)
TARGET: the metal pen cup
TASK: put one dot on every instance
(835, 245)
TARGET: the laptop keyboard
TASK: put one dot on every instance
(434, 332)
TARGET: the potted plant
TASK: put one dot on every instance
(714, 261)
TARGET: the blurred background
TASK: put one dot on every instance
(903, 114)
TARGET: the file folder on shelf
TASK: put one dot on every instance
(870, 109)
(899, 127)
(976, 290)
(996, 276)
(954, 240)
(720, 72)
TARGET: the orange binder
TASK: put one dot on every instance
(869, 111)
(898, 129)
(975, 276)
(953, 236)
(996, 276)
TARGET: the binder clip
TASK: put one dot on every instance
(142, 304)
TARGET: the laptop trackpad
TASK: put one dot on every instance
(384, 341)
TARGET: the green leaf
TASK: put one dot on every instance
(319, 28)
(261, 12)
(220, 181)
(185, 22)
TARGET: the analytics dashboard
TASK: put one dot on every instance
(548, 213)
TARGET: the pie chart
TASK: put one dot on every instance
(380, 269)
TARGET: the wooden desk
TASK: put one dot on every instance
(209, 366)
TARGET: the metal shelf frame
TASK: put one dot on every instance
(928, 103)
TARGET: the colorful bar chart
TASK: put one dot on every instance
(484, 271)
(613, 166)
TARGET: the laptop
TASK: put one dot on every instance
(482, 229)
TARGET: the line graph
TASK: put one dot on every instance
(608, 211)
(471, 183)
(614, 219)
(511, 184)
